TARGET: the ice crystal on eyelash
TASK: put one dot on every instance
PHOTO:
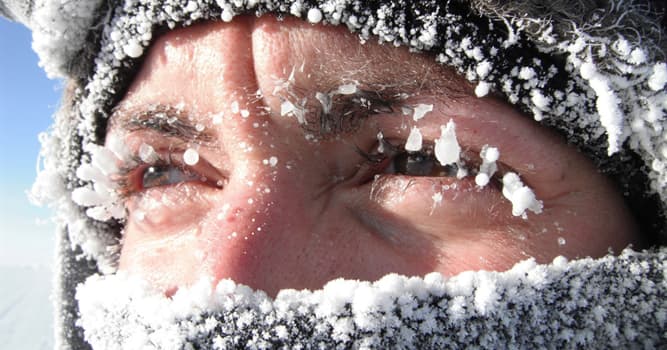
(489, 156)
(421, 110)
(147, 154)
(414, 141)
(522, 197)
(447, 149)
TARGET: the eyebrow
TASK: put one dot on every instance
(163, 119)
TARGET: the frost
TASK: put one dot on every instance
(133, 49)
(314, 15)
(522, 197)
(482, 89)
(191, 156)
(447, 147)
(658, 79)
(380, 138)
(524, 307)
(347, 89)
(286, 107)
(489, 156)
(147, 154)
(420, 111)
(414, 141)
(483, 69)
(235, 107)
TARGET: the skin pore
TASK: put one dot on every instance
(274, 203)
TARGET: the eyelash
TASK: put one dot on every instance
(130, 177)
(376, 163)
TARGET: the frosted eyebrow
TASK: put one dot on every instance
(166, 120)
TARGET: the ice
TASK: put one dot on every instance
(481, 179)
(482, 89)
(561, 241)
(522, 197)
(347, 89)
(447, 149)
(380, 138)
(245, 113)
(314, 15)
(658, 79)
(286, 107)
(235, 107)
(414, 141)
(133, 49)
(199, 127)
(147, 154)
(191, 156)
(420, 111)
(273, 161)
(217, 118)
(489, 156)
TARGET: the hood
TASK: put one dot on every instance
(593, 70)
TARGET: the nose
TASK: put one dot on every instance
(282, 219)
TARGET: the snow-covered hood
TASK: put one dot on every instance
(598, 75)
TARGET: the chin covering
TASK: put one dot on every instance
(593, 70)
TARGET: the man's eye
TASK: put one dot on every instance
(422, 163)
(163, 175)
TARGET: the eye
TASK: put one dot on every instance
(421, 163)
(163, 175)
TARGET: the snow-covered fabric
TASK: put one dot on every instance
(608, 303)
(594, 70)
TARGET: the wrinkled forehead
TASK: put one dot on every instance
(261, 53)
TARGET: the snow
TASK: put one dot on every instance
(658, 79)
(347, 89)
(420, 111)
(191, 156)
(147, 154)
(133, 49)
(447, 147)
(482, 89)
(489, 156)
(528, 306)
(414, 141)
(521, 196)
(314, 15)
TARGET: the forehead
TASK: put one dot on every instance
(222, 60)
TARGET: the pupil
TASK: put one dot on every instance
(155, 176)
(415, 164)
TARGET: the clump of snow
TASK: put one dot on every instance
(414, 141)
(482, 89)
(314, 15)
(522, 197)
(420, 111)
(658, 79)
(447, 149)
(191, 156)
(489, 156)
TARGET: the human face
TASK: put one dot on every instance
(274, 200)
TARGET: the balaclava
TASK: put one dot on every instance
(593, 70)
